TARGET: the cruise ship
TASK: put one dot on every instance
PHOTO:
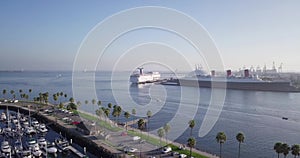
(141, 77)
(245, 81)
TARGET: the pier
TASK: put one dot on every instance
(75, 151)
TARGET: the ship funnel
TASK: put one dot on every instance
(228, 73)
(246, 73)
(141, 70)
(213, 73)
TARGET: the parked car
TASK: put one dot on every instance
(167, 149)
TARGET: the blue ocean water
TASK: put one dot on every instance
(257, 114)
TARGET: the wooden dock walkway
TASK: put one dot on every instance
(75, 151)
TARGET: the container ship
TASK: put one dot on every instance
(246, 81)
(141, 77)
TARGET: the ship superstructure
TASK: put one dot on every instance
(141, 77)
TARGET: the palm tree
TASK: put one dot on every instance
(161, 133)
(20, 90)
(45, 97)
(167, 129)
(141, 124)
(115, 113)
(191, 143)
(4, 92)
(221, 138)
(78, 103)
(65, 95)
(61, 105)
(72, 100)
(100, 113)
(99, 103)
(30, 90)
(55, 97)
(133, 112)
(107, 112)
(119, 111)
(12, 92)
(86, 101)
(149, 114)
(126, 115)
(93, 101)
(285, 149)
(240, 138)
(109, 105)
(191, 125)
(278, 148)
(295, 150)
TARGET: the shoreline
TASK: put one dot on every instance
(94, 146)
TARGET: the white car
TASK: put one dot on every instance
(129, 149)
(182, 156)
(132, 150)
(135, 138)
(167, 149)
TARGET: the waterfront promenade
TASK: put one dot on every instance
(111, 141)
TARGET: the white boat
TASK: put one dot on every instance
(42, 142)
(18, 147)
(5, 147)
(3, 116)
(25, 154)
(50, 148)
(23, 119)
(36, 151)
(42, 128)
(141, 77)
(35, 124)
(62, 143)
(30, 130)
(31, 142)
(15, 121)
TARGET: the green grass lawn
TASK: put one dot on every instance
(186, 151)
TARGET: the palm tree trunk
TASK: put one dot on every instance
(190, 151)
(160, 146)
(278, 155)
(239, 150)
(220, 150)
(166, 138)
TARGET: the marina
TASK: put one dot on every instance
(27, 137)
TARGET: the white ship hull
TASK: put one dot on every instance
(144, 78)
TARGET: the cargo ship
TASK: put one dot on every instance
(141, 77)
(230, 81)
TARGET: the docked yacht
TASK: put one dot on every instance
(5, 147)
(3, 116)
(50, 148)
(62, 143)
(42, 142)
(42, 128)
(36, 151)
(30, 130)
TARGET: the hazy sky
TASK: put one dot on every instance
(45, 35)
